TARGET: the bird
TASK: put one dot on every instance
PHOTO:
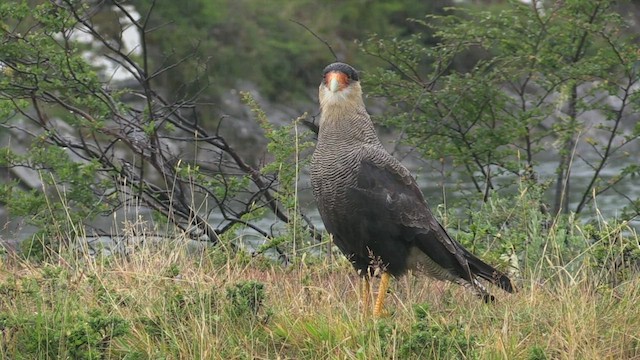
(372, 206)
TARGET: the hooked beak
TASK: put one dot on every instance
(336, 81)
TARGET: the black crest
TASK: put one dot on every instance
(343, 68)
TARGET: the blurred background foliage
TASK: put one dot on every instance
(260, 41)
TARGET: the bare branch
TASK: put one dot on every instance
(317, 37)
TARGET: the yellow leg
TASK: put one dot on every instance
(382, 292)
(366, 295)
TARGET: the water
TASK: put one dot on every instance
(434, 187)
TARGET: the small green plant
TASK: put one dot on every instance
(615, 254)
(246, 298)
(91, 336)
(78, 336)
(537, 353)
(430, 339)
(172, 271)
(289, 149)
(385, 335)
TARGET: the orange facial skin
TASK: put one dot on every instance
(336, 80)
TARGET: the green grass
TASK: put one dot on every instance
(167, 303)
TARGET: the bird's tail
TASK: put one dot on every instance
(460, 263)
(483, 270)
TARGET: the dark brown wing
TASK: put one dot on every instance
(387, 195)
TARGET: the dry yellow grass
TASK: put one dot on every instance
(175, 304)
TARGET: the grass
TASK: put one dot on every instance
(165, 302)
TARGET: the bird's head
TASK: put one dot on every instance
(340, 86)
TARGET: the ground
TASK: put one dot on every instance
(168, 302)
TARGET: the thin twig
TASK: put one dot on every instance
(316, 36)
